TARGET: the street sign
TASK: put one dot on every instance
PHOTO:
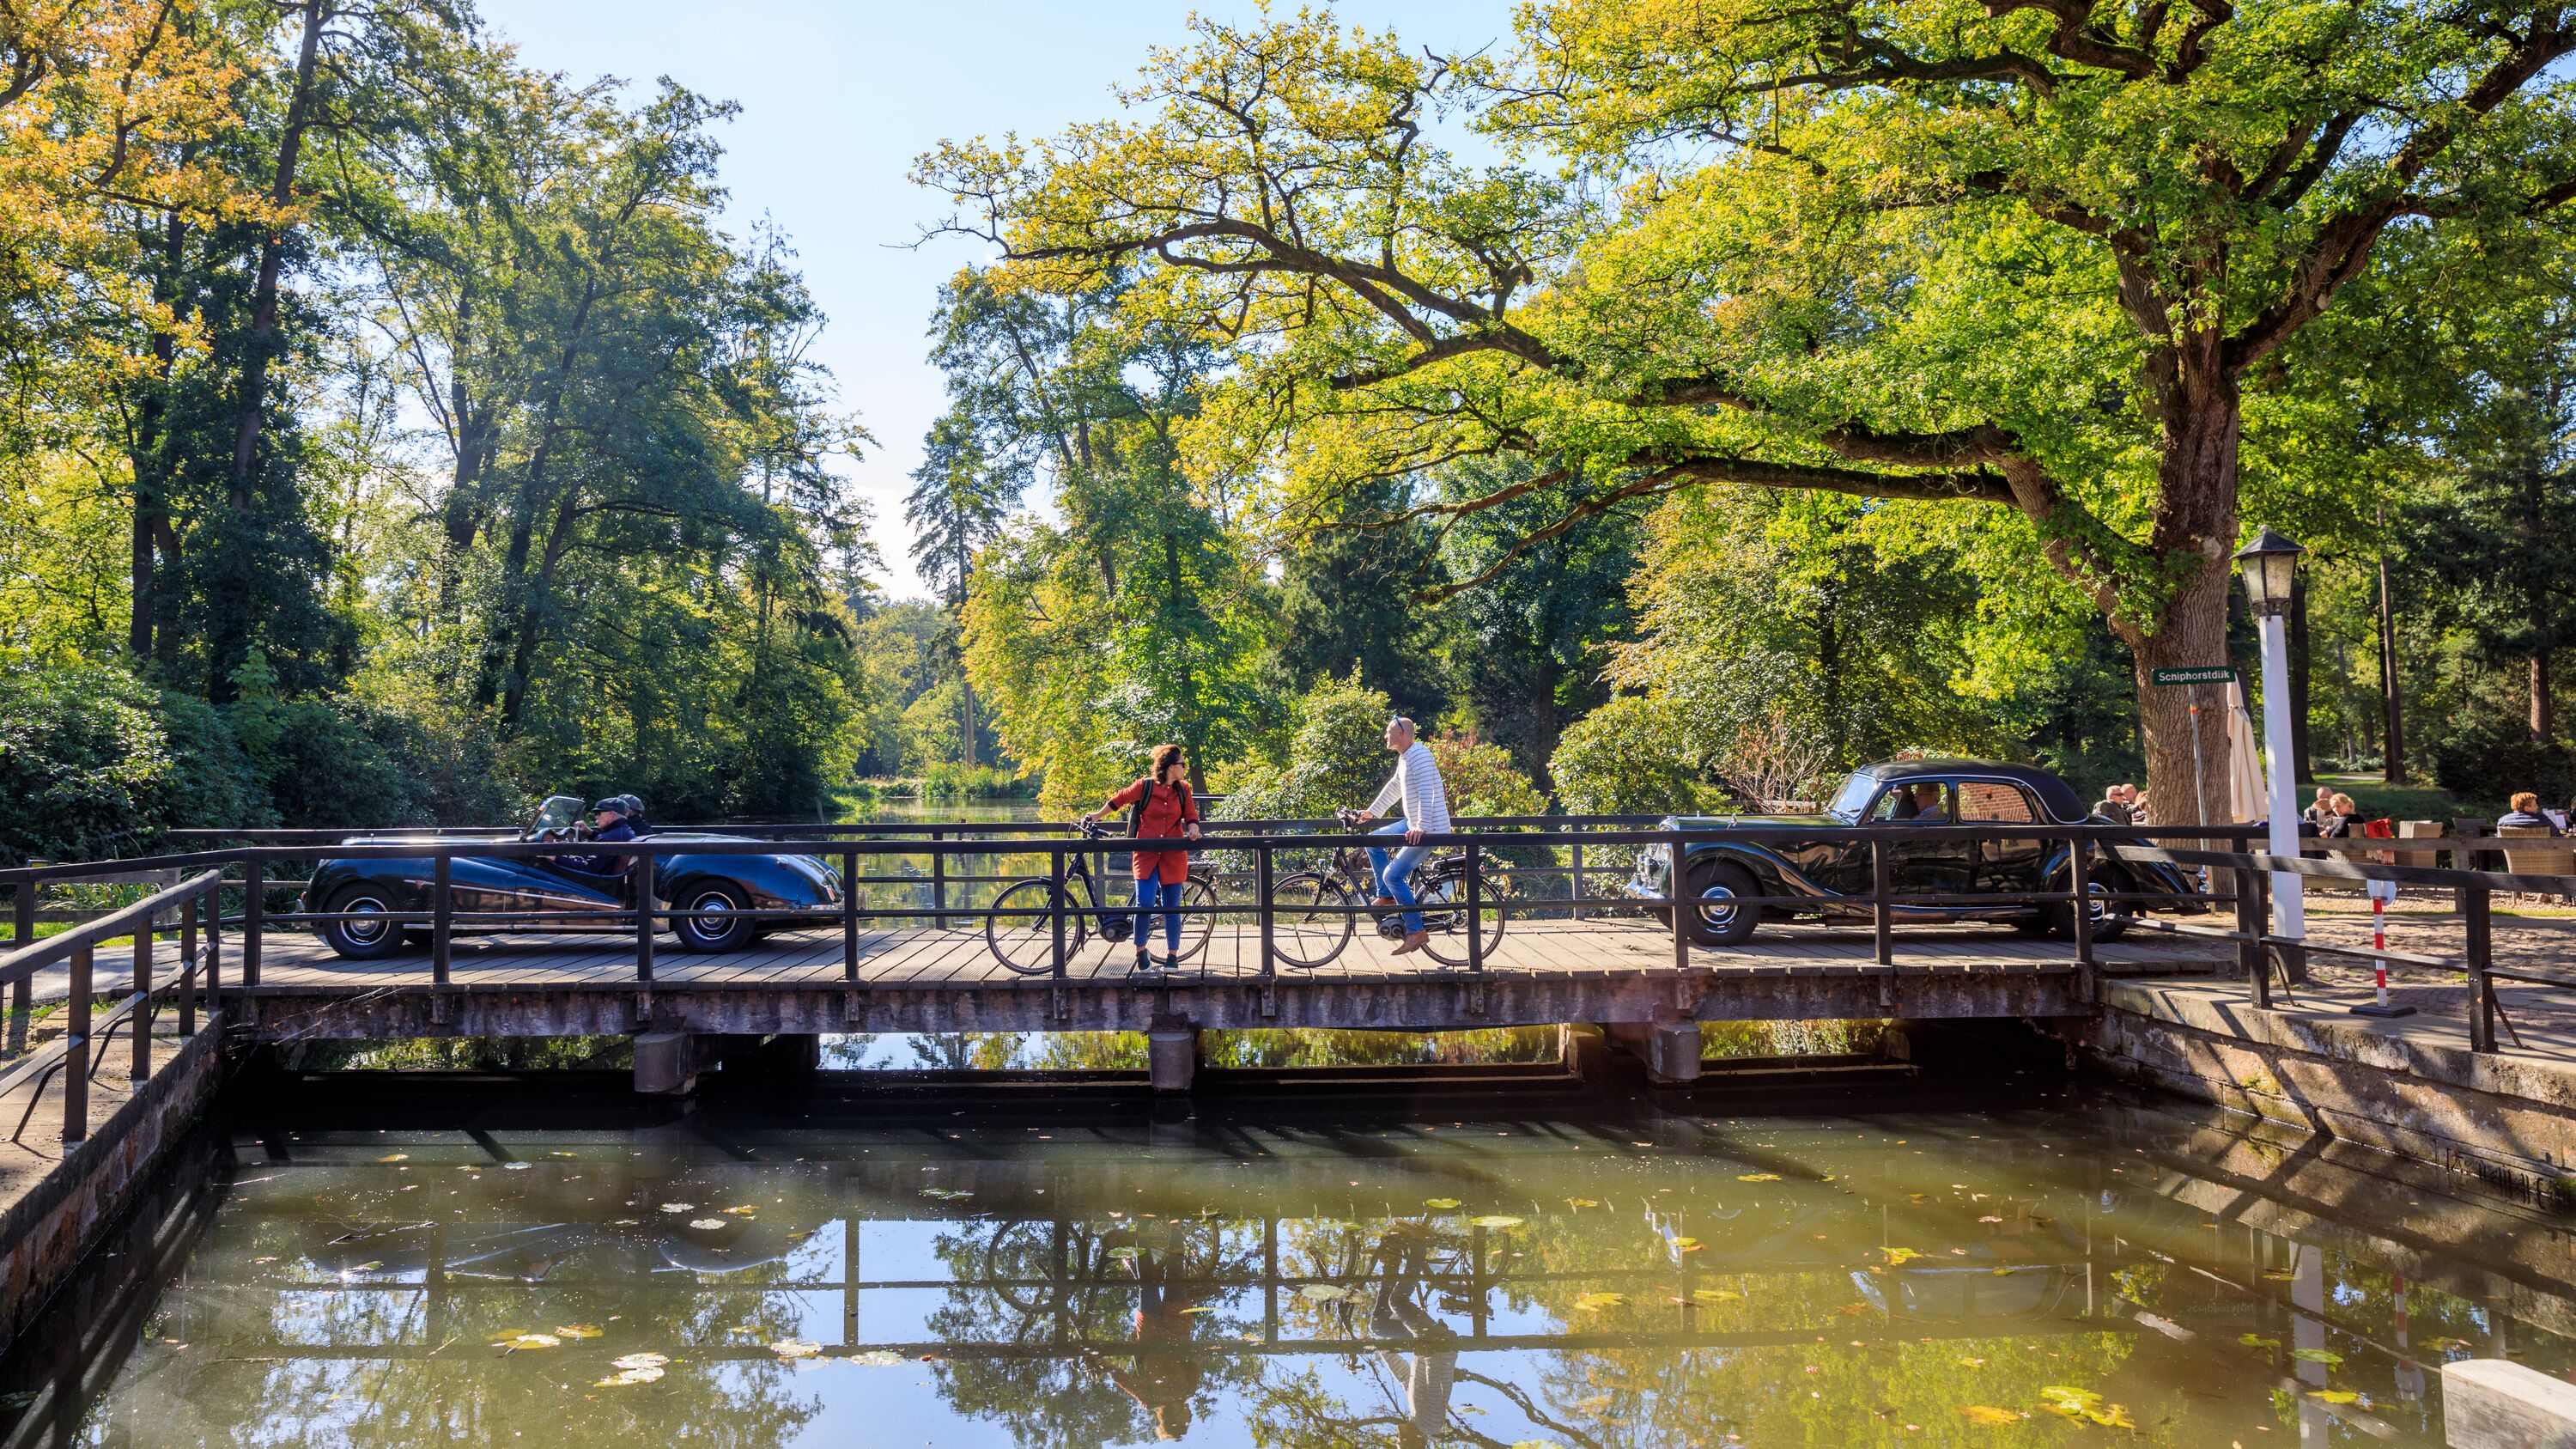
(2196, 674)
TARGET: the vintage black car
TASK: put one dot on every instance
(545, 893)
(1835, 875)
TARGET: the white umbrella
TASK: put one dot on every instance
(2248, 799)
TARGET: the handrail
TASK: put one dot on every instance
(28, 960)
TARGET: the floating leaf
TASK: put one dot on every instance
(1440, 1204)
(679, 1207)
(1899, 1257)
(628, 1378)
(946, 1194)
(1595, 1302)
(1581, 1202)
(1686, 1245)
(877, 1358)
(1757, 1177)
(578, 1330)
(1715, 1295)
(395, 1157)
(792, 1348)
(369, 1266)
(1990, 1218)
(741, 1212)
(516, 1341)
(707, 1225)
(1988, 1414)
(1323, 1292)
(2326, 1356)
(1496, 1220)
(2334, 1396)
(639, 1361)
(2256, 1340)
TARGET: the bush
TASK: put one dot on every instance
(319, 767)
(1629, 757)
(1336, 756)
(2488, 758)
(1482, 779)
(86, 768)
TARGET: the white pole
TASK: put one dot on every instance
(2289, 913)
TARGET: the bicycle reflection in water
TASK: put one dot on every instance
(1423, 1378)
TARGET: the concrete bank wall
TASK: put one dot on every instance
(50, 1225)
(2506, 1119)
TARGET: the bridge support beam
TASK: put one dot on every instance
(667, 1063)
(1172, 1057)
(1670, 1049)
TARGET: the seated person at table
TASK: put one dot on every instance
(2525, 811)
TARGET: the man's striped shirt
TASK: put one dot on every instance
(1417, 783)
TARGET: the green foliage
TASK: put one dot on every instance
(2489, 757)
(1347, 606)
(1482, 778)
(1630, 757)
(1335, 756)
(86, 769)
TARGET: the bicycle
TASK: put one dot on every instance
(1312, 919)
(1026, 942)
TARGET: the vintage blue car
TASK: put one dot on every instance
(1833, 878)
(546, 893)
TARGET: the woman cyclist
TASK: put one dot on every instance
(1159, 807)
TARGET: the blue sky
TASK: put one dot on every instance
(837, 99)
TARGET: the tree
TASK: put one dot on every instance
(2033, 257)
(1347, 601)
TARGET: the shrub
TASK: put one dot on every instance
(1482, 779)
(1629, 757)
(2489, 757)
(86, 768)
(1336, 756)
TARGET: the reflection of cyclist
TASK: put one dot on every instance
(1168, 1369)
(1402, 1255)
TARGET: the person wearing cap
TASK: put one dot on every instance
(609, 825)
(1425, 798)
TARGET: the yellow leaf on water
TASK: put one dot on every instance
(1440, 1204)
(395, 1157)
(1988, 1414)
(2334, 1396)
(1595, 1302)
(742, 1212)
(578, 1330)
(1757, 1177)
(1899, 1257)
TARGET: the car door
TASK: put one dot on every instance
(2003, 867)
(1922, 859)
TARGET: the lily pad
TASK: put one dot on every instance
(1757, 1177)
(578, 1330)
(395, 1157)
(679, 1207)
(877, 1358)
(1496, 1220)
(628, 1378)
(707, 1225)
(2334, 1396)
(1595, 1302)
(1440, 1204)
(517, 1341)
(1989, 1414)
(1323, 1292)
(639, 1361)
(794, 1348)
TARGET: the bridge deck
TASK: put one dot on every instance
(932, 980)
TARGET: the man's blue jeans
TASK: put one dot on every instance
(1394, 870)
(1151, 892)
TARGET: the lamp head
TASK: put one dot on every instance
(2270, 564)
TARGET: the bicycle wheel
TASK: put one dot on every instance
(1198, 922)
(1443, 897)
(1309, 924)
(1026, 943)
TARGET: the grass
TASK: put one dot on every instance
(2379, 799)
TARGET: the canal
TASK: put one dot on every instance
(352, 1260)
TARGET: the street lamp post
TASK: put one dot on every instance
(2270, 564)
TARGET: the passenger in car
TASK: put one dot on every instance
(610, 824)
(1927, 805)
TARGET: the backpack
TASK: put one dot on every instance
(1136, 812)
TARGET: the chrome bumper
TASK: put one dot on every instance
(1640, 891)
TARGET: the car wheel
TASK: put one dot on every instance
(715, 924)
(362, 939)
(1721, 917)
(2111, 919)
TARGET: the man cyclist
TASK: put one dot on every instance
(1425, 798)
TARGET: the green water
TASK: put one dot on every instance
(2051, 1271)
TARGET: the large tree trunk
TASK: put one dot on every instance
(2195, 533)
(232, 629)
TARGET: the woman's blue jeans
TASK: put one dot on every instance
(1394, 870)
(1150, 893)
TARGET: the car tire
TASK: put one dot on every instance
(2111, 920)
(712, 935)
(1722, 924)
(362, 940)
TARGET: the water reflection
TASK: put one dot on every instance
(2024, 1277)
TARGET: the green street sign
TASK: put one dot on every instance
(2196, 674)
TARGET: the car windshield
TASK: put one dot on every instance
(1853, 798)
(557, 813)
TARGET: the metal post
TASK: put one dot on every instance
(2289, 915)
(212, 902)
(1578, 880)
(1475, 921)
(188, 967)
(2481, 949)
(139, 1020)
(1055, 907)
(1681, 908)
(1882, 892)
(2080, 878)
(22, 992)
(850, 917)
(644, 889)
(76, 1052)
(442, 917)
(2249, 929)
(254, 905)
(938, 881)
(1261, 878)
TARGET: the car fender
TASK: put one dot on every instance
(771, 882)
(1774, 874)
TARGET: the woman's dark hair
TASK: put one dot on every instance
(1165, 756)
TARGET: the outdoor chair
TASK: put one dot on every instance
(2557, 859)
